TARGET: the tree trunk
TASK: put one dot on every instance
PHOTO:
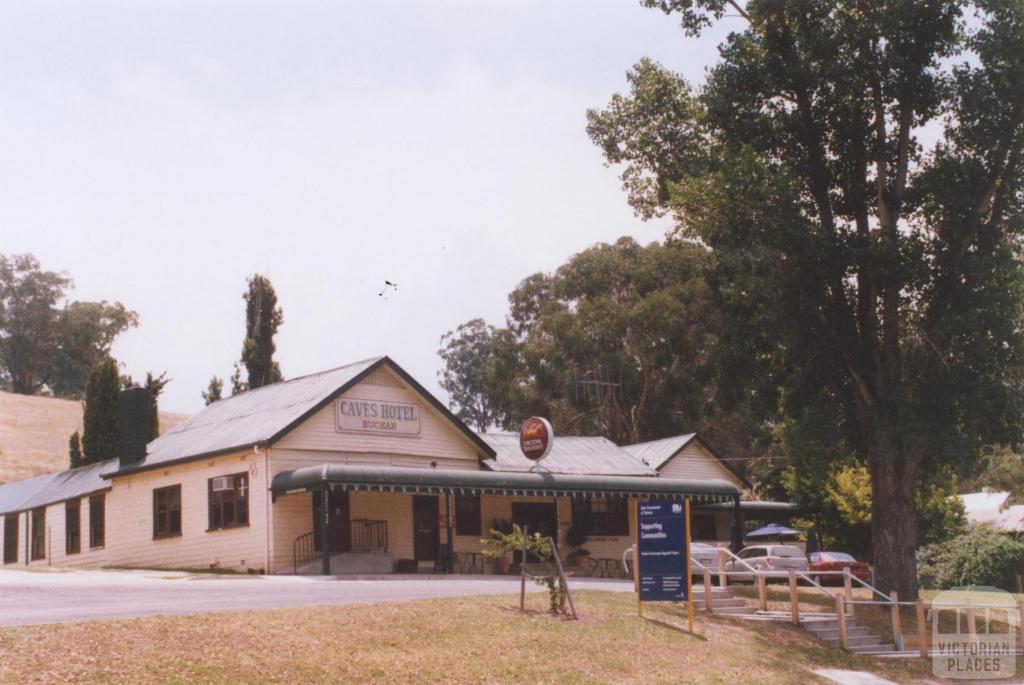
(894, 526)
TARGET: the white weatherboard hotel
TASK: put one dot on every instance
(243, 484)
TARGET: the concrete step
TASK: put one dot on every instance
(851, 631)
(733, 611)
(717, 603)
(824, 626)
(857, 641)
(352, 563)
(876, 649)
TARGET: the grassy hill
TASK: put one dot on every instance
(34, 433)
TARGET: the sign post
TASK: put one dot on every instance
(663, 553)
(689, 578)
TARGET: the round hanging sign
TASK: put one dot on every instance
(536, 437)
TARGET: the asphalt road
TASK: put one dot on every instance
(34, 597)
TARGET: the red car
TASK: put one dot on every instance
(836, 561)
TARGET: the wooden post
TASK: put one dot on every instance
(1020, 618)
(707, 590)
(922, 629)
(762, 591)
(636, 555)
(722, 578)
(522, 574)
(897, 628)
(841, 620)
(848, 589)
(972, 624)
(562, 579)
(794, 599)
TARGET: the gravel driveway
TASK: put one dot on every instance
(31, 597)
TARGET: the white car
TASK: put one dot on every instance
(703, 556)
(775, 559)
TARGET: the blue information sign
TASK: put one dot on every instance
(662, 551)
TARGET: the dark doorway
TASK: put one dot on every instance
(535, 517)
(426, 538)
(340, 526)
(702, 527)
(538, 517)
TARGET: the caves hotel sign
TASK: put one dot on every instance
(378, 416)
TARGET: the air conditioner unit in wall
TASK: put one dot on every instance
(223, 483)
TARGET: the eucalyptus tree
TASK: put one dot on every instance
(855, 169)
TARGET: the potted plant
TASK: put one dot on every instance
(576, 537)
(501, 543)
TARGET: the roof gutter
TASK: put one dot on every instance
(184, 460)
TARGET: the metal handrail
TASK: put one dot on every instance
(801, 574)
(303, 551)
(369, 535)
(871, 587)
(730, 553)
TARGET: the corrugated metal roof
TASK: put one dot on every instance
(656, 452)
(249, 418)
(70, 484)
(569, 454)
(382, 478)
(14, 495)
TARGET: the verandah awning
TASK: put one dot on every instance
(384, 478)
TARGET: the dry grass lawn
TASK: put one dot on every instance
(34, 433)
(479, 639)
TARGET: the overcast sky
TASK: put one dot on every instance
(161, 152)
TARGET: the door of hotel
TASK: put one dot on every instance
(426, 537)
(340, 525)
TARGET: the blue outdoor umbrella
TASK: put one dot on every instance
(773, 530)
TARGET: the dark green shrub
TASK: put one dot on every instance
(981, 556)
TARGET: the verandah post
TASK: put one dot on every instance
(450, 561)
(325, 529)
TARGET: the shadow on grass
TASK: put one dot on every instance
(673, 626)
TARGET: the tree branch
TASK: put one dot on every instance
(742, 12)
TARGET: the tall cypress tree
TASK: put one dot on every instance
(75, 450)
(154, 386)
(262, 319)
(214, 391)
(102, 392)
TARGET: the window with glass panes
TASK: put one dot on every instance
(229, 501)
(167, 511)
(467, 514)
(72, 526)
(97, 521)
(602, 515)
